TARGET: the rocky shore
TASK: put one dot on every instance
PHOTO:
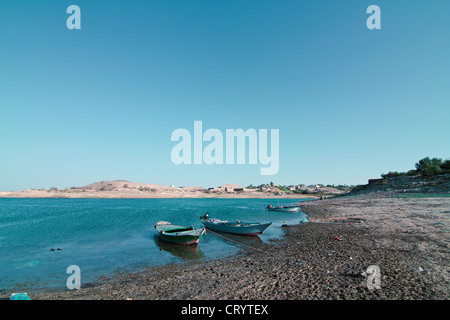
(325, 258)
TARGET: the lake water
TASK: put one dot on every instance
(103, 236)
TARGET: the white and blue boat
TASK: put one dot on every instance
(283, 208)
(238, 227)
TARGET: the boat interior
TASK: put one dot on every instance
(179, 230)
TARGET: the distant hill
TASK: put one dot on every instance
(431, 175)
(122, 185)
(437, 184)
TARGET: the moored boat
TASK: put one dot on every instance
(238, 227)
(282, 208)
(178, 234)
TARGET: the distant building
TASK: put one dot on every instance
(228, 187)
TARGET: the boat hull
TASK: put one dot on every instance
(178, 234)
(248, 229)
(183, 240)
(290, 209)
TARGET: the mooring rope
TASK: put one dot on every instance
(253, 248)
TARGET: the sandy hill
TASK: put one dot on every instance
(123, 184)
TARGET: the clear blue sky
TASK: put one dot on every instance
(100, 103)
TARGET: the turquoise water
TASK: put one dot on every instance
(103, 236)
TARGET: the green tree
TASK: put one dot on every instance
(429, 167)
(446, 165)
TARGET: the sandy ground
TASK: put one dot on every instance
(325, 258)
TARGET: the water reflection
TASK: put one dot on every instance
(245, 240)
(185, 252)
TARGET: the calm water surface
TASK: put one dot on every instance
(103, 236)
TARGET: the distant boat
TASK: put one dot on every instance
(238, 227)
(178, 234)
(282, 208)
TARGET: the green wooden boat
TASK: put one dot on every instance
(178, 234)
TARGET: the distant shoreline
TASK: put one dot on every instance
(36, 194)
(123, 189)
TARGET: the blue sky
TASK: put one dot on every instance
(100, 103)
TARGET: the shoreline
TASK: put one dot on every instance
(323, 259)
(162, 195)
